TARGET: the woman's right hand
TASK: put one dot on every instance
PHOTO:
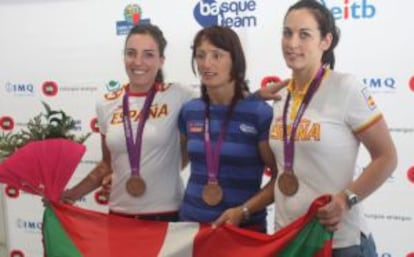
(99, 176)
(333, 212)
(69, 196)
(231, 216)
(106, 185)
(107, 181)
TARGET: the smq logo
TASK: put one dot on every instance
(360, 9)
(20, 88)
(376, 84)
(29, 225)
(234, 13)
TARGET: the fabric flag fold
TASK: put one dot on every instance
(69, 231)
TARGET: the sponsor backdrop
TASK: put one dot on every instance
(67, 52)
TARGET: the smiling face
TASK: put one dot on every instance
(214, 65)
(302, 44)
(142, 61)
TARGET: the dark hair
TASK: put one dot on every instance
(155, 32)
(326, 23)
(226, 39)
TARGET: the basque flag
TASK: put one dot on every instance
(70, 231)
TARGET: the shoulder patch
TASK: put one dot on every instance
(116, 94)
(368, 98)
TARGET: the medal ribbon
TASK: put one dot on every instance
(289, 143)
(134, 148)
(213, 155)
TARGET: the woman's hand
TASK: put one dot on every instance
(233, 216)
(332, 213)
(106, 185)
(271, 91)
(69, 196)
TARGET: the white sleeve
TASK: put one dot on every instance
(361, 109)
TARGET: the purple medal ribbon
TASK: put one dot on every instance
(134, 148)
(289, 144)
(213, 155)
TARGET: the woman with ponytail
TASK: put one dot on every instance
(317, 129)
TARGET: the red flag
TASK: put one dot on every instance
(70, 232)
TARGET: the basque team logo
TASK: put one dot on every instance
(132, 16)
(203, 15)
(227, 13)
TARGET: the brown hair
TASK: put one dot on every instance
(155, 32)
(226, 39)
(326, 23)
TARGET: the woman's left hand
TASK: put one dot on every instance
(332, 213)
(271, 92)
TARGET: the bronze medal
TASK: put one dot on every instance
(288, 183)
(212, 194)
(135, 186)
